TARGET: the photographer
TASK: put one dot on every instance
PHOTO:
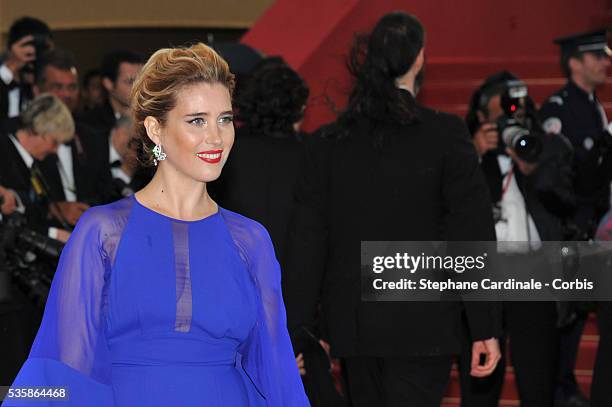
(28, 38)
(528, 176)
(44, 125)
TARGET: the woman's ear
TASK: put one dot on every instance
(153, 129)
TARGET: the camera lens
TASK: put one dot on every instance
(527, 146)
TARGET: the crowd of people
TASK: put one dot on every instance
(387, 169)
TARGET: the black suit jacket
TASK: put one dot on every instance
(10, 125)
(258, 181)
(92, 176)
(548, 191)
(15, 175)
(101, 119)
(4, 102)
(422, 184)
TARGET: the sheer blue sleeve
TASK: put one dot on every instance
(267, 357)
(70, 349)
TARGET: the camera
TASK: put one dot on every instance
(42, 44)
(27, 260)
(515, 125)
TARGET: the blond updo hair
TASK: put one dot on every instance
(47, 114)
(167, 71)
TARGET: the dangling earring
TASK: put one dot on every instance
(158, 154)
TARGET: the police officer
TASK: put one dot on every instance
(576, 112)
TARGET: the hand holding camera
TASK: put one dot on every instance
(20, 54)
(24, 52)
(8, 202)
(524, 167)
(486, 138)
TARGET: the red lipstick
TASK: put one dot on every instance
(210, 156)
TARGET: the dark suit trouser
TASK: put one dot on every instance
(601, 391)
(569, 343)
(531, 327)
(397, 381)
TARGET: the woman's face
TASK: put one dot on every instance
(199, 132)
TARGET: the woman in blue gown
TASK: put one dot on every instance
(164, 298)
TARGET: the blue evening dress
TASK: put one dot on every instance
(147, 310)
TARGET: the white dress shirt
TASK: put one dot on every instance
(65, 168)
(14, 94)
(113, 156)
(513, 228)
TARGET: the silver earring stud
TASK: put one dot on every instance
(158, 154)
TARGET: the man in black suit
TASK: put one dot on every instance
(78, 176)
(119, 70)
(45, 124)
(26, 37)
(387, 170)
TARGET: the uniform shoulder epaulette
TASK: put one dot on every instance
(556, 99)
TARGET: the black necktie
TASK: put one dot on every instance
(116, 164)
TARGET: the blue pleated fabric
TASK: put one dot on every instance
(146, 310)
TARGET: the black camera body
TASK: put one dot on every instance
(42, 44)
(515, 126)
(27, 260)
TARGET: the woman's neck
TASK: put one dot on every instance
(177, 196)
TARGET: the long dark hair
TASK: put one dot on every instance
(376, 61)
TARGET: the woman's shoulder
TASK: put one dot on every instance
(250, 236)
(105, 218)
(244, 225)
(255, 247)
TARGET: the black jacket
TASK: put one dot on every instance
(548, 192)
(25, 95)
(15, 175)
(101, 119)
(580, 118)
(258, 181)
(422, 184)
(91, 171)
